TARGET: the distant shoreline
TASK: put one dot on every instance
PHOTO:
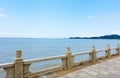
(114, 36)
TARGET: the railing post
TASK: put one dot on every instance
(118, 49)
(93, 54)
(18, 64)
(69, 60)
(108, 54)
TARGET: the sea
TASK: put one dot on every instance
(33, 48)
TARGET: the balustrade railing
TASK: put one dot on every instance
(21, 68)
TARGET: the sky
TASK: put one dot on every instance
(59, 18)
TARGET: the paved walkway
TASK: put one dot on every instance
(107, 69)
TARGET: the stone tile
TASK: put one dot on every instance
(108, 69)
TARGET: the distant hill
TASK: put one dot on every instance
(113, 36)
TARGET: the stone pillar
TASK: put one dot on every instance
(10, 72)
(118, 49)
(18, 64)
(26, 70)
(108, 54)
(93, 54)
(69, 61)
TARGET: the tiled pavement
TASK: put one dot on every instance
(107, 69)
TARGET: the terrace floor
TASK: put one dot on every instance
(104, 69)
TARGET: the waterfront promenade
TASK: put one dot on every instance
(103, 69)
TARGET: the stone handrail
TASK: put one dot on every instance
(5, 65)
(81, 53)
(20, 68)
(101, 50)
(43, 59)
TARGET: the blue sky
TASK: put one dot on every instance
(59, 18)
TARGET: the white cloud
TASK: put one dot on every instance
(1, 12)
(115, 32)
(4, 32)
(1, 9)
(8, 34)
(27, 34)
(3, 15)
(90, 17)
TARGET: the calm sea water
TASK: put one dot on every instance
(36, 47)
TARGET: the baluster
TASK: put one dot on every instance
(26, 70)
(10, 72)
